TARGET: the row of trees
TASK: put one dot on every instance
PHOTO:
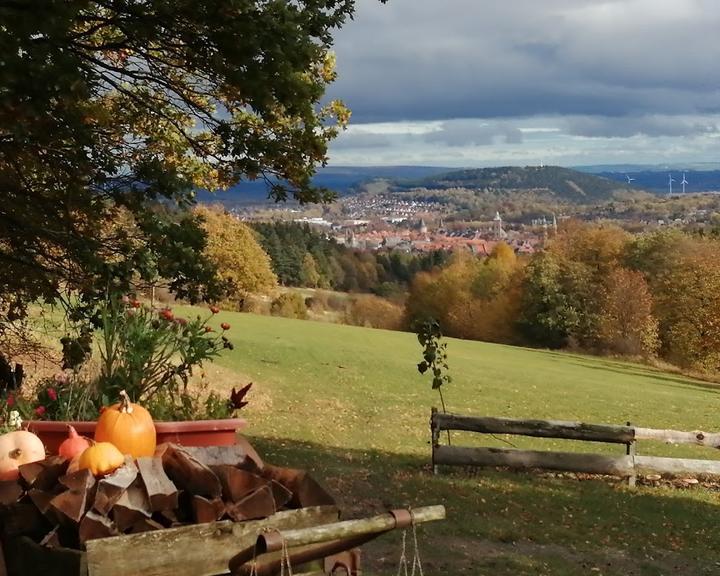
(594, 287)
(302, 257)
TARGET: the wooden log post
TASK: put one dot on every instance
(630, 451)
(434, 436)
(537, 428)
(529, 459)
(698, 437)
(575, 462)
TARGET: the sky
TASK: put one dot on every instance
(528, 82)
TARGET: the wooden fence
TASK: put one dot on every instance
(628, 465)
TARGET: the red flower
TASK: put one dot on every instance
(10, 401)
(40, 410)
(225, 326)
(135, 304)
(214, 309)
(167, 314)
(209, 329)
(52, 394)
(181, 321)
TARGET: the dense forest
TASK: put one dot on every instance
(301, 256)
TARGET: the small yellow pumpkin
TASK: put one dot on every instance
(17, 448)
(129, 427)
(101, 458)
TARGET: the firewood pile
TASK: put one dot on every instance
(176, 487)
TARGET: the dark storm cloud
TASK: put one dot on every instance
(443, 59)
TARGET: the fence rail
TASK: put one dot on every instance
(628, 465)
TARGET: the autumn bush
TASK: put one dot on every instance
(255, 304)
(374, 312)
(289, 305)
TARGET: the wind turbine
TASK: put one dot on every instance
(670, 181)
(629, 179)
(684, 182)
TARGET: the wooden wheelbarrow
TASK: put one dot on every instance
(211, 549)
(333, 543)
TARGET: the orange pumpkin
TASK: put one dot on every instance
(17, 448)
(73, 445)
(129, 427)
(101, 458)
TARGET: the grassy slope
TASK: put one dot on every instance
(348, 404)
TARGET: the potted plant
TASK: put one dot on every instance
(150, 354)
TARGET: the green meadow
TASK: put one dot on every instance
(348, 404)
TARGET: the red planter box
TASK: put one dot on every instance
(192, 433)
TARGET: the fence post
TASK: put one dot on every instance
(434, 437)
(630, 451)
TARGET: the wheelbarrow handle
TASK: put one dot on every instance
(347, 534)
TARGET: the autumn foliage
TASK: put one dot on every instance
(593, 287)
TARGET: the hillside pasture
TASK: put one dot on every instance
(348, 404)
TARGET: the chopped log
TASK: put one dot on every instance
(188, 473)
(132, 506)
(44, 474)
(10, 492)
(145, 525)
(205, 510)
(281, 494)
(240, 454)
(161, 492)
(236, 483)
(71, 504)
(168, 518)
(305, 490)
(259, 504)
(697, 437)
(181, 555)
(80, 480)
(29, 472)
(42, 501)
(94, 526)
(528, 459)
(538, 428)
(112, 487)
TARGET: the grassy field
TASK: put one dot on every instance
(348, 404)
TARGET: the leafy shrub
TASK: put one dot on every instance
(374, 312)
(289, 305)
(256, 305)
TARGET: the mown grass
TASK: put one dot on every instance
(348, 404)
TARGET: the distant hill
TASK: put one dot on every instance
(341, 179)
(562, 183)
